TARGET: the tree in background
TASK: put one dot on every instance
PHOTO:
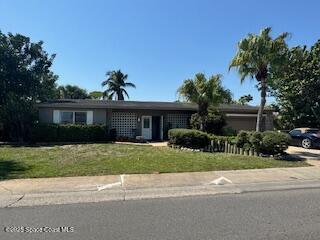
(296, 87)
(25, 78)
(257, 57)
(96, 95)
(213, 122)
(204, 92)
(72, 92)
(116, 83)
(245, 99)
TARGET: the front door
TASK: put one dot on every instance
(146, 127)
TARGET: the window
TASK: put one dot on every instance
(146, 123)
(80, 118)
(312, 131)
(295, 133)
(66, 117)
(73, 117)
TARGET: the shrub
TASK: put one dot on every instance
(195, 121)
(255, 140)
(213, 122)
(242, 138)
(113, 134)
(68, 133)
(246, 146)
(274, 142)
(229, 139)
(188, 138)
(228, 131)
(269, 142)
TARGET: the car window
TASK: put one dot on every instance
(313, 131)
(295, 133)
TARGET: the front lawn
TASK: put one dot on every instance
(103, 159)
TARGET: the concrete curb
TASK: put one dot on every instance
(39, 199)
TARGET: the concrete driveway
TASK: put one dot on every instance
(312, 155)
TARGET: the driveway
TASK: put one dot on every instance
(312, 155)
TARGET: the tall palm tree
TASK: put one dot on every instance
(205, 92)
(116, 83)
(257, 55)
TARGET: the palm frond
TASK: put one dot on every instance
(125, 92)
(129, 84)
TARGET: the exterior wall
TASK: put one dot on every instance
(242, 123)
(249, 123)
(46, 114)
(171, 119)
(167, 117)
(125, 123)
(269, 122)
(99, 116)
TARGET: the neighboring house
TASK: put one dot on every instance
(151, 120)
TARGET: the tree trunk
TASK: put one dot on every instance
(203, 112)
(120, 96)
(262, 104)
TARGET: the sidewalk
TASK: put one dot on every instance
(43, 191)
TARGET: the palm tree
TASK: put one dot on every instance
(257, 55)
(205, 92)
(245, 99)
(116, 84)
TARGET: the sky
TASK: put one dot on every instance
(158, 43)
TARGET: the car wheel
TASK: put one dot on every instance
(306, 143)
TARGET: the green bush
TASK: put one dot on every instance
(242, 138)
(45, 133)
(246, 146)
(228, 131)
(188, 138)
(229, 139)
(274, 142)
(255, 140)
(213, 122)
(68, 133)
(269, 142)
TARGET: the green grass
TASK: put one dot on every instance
(103, 159)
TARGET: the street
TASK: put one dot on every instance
(293, 214)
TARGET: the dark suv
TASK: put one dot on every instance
(305, 137)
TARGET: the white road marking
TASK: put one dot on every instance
(111, 185)
(122, 179)
(221, 181)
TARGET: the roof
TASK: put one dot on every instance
(90, 103)
(305, 129)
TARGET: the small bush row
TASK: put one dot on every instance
(188, 138)
(195, 139)
(69, 133)
(268, 142)
(223, 139)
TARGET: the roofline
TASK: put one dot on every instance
(141, 105)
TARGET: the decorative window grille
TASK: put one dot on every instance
(178, 120)
(125, 123)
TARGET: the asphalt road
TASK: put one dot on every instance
(277, 215)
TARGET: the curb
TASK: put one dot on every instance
(122, 194)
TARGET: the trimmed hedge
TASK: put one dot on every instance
(268, 142)
(223, 139)
(188, 138)
(69, 133)
(275, 142)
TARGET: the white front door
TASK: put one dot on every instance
(146, 127)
